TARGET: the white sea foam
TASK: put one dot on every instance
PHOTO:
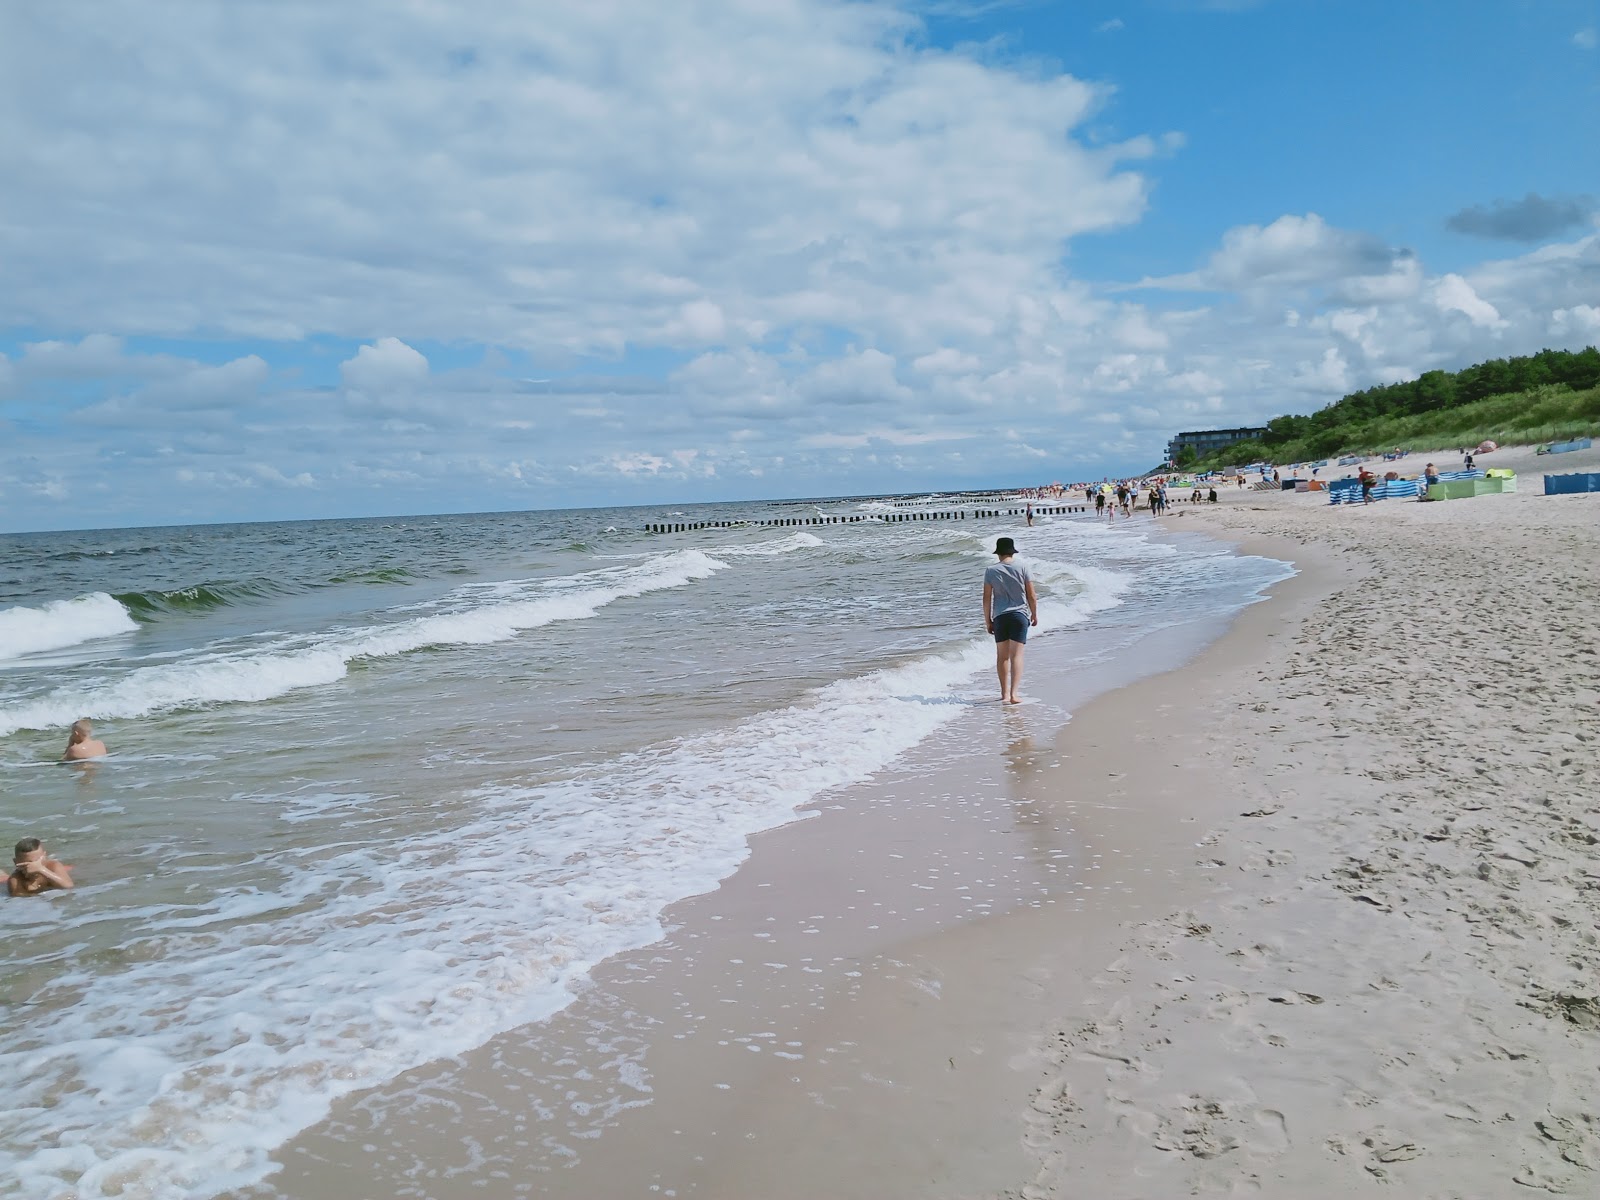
(231, 1022)
(176, 1075)
(788, 545)
(247, 676)
(61, 623)
(783, 545)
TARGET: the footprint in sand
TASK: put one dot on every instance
(1272, 1132)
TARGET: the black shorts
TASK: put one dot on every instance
(1011, 626)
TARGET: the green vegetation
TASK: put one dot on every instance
(1543, 397)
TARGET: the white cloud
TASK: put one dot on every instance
(1452, 293)
(891, 437)
(1329, 374)
(201, 386)
(1292, 250)
(387, 365)
(785, 241)
(1586, 39)
(945, 361)
(1580, 324)
(703, 321)
(867, 377)
(271, 475)
(96, 355)
(637, 463)
(589, 178)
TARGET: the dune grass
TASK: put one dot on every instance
(1548, 413)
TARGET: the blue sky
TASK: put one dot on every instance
(303, 260)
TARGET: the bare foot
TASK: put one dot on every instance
(1012, 700)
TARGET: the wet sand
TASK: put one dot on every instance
(1311, 916)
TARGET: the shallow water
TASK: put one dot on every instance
(562, 722)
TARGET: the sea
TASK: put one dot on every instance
(574, 721)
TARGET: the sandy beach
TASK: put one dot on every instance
(1390, 984)
(1331, 928)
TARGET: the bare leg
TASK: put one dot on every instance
(1015, 657)
(1002, 666)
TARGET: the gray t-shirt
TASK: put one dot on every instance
(1010, 582)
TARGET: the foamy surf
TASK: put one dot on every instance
(62, 623)
(242, 1041)
(263, 932)
(252, 676)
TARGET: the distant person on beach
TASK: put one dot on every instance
(1030, 514)
(1099, 503)
(35, 872)
(1010, 609)
(81, 743)
(1368, 482)
(1469, 460)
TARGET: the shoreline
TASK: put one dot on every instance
(1319, 923)
(747, 1038)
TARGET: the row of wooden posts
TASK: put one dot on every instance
(957, 515)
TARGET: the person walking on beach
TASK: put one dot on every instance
(81, 743)
(1010, 609)
(35, 871)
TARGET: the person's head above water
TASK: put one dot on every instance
(1005, 547)
(26, 848)
(82, 744)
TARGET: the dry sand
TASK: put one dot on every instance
(1392, 986)
(1321, 923)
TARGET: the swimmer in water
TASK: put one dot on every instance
(82, 743)
(35, 872)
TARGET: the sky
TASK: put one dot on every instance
(275, 259)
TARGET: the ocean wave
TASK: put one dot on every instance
(783, 545)
(199, 597)
(1075, 592)
(62, 623)
(251, 676)
(239, 1038)
(786, 545)
(123, 551)
(375, 575)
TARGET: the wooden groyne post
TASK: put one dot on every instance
(885, 518)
